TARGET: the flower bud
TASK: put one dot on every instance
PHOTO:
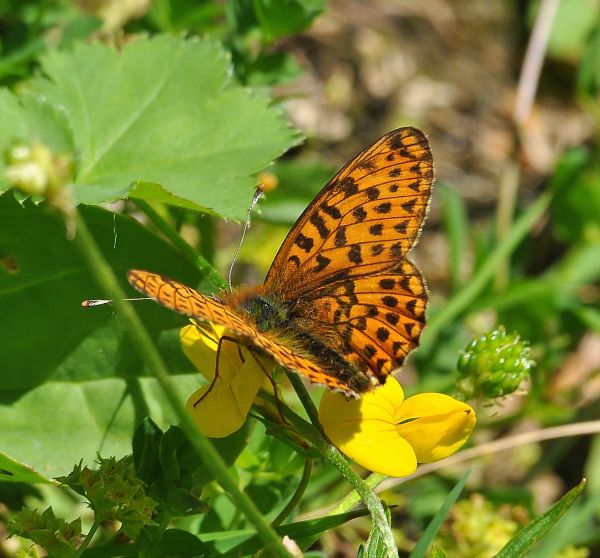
(494, 365)
(35, 170)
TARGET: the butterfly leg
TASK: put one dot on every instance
(216, 376)
(273, 384)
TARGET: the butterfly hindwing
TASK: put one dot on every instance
(378, 318)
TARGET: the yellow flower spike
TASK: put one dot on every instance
(389, 435)
(224, 408)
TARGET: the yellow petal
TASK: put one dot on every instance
(225, 407)
(435, 425)
(364, 429)
(201, 349)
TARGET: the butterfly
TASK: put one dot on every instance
(341, 304)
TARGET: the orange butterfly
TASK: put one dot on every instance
(341, 304)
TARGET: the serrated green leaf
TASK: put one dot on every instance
(533, 532)
(163, 111)
(434, 525)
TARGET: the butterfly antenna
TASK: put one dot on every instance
(257, 196)
(100, 302)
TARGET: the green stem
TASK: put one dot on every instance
(207, 270)
(351, 499)
(145, 347)
(88, 538)
(297, 496)
(313, 432)
(306, 401)
(461, 300)
(507, 197)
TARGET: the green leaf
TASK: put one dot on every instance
(183, 15)
(433, 527)
(57, 424)
(572, 24)
(53, 533)
(13, 471)
(145, 444)
(243, 542)
(179, 463)
(437, 552)
(174, 543)
(576, 205)
(588, 74)
(240, 15)
(162, 111)
(589, 315)
(533, 532)
(174, 473)
(285, 17)
(44, 324)
(456, 224)
(376, 547)
(273, 69)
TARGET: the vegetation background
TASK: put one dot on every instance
(512, 239)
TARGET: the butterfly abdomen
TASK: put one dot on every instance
(318, 350)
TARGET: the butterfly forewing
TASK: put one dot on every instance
(364, 221)
(185, 300)
(345, 259)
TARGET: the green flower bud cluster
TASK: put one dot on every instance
(58, 537)
(494, 365)
(115, 493)
(476, 528)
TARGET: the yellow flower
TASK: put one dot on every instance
(221, 410)
(387, 434)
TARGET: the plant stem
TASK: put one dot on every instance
(333, 455)
(297, 496)
(143, 344)
(208, 271)
(351, 499)
(463, 298)
(88, 538)
(306, 400)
